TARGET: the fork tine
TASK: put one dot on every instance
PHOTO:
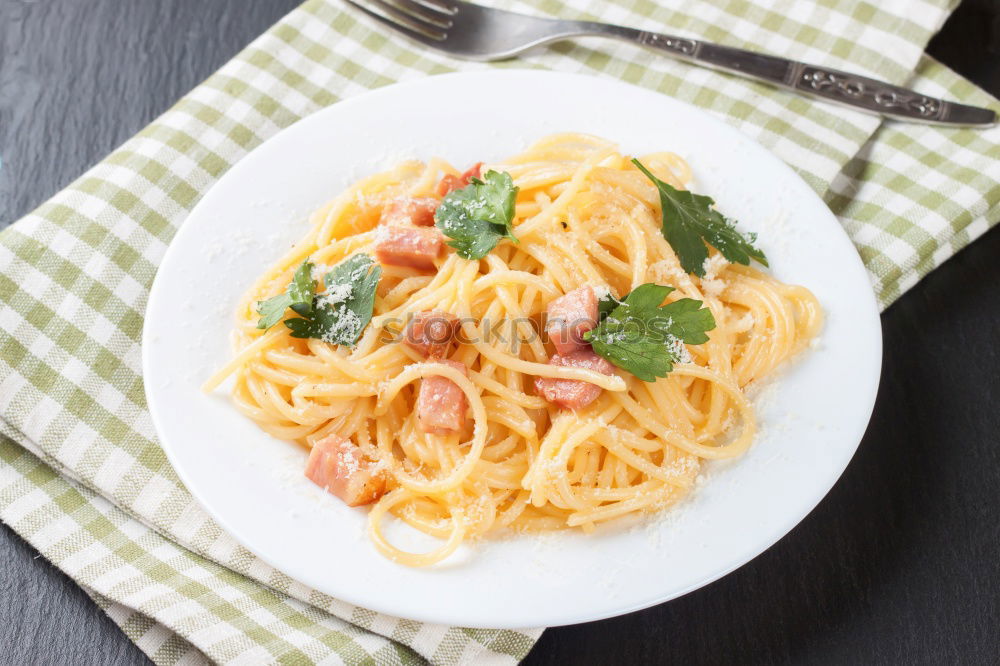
(436, 15)
(445, 6)
(397, 19)
(415, 35)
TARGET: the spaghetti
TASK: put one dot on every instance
(584, 216)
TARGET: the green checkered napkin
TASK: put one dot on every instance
(81, 474)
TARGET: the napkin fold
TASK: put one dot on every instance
(82, 476)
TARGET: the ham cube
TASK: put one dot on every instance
(474, 171)
(430, 332)
(450, 183)
(336, 464)
(441, 405)
(573, 393)
(569, 317)
(414, 247)
(417, 211)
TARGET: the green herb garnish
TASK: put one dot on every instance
(646, 338)
(479, 215)
(298, 296)
(690, 221)
(605, 305)
(340, 313)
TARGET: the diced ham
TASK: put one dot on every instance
(415, 247)
(418, 211)
(430, 332)
(573, 393)
(474, 171)
(337, 465)
(441, 405)
(449, 182)
(569, 317)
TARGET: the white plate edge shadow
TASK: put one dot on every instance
(158, 410)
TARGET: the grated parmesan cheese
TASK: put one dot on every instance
(601, 291)
(335, 294)
(713, 265)
(347, 326)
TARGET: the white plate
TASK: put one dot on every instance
(812, 416)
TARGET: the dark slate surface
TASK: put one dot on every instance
(898, 564)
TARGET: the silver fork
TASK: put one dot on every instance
(466, 30)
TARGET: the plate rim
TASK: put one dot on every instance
(157, 290)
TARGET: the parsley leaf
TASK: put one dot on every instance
(605, 306)
(479, 215)
(690, 221)
(272, 310)
(302, 289)
(646, 338)
(340, 313)
(298, 296)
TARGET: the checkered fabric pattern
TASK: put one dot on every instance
(82, 477)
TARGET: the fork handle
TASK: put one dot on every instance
(832, 85)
